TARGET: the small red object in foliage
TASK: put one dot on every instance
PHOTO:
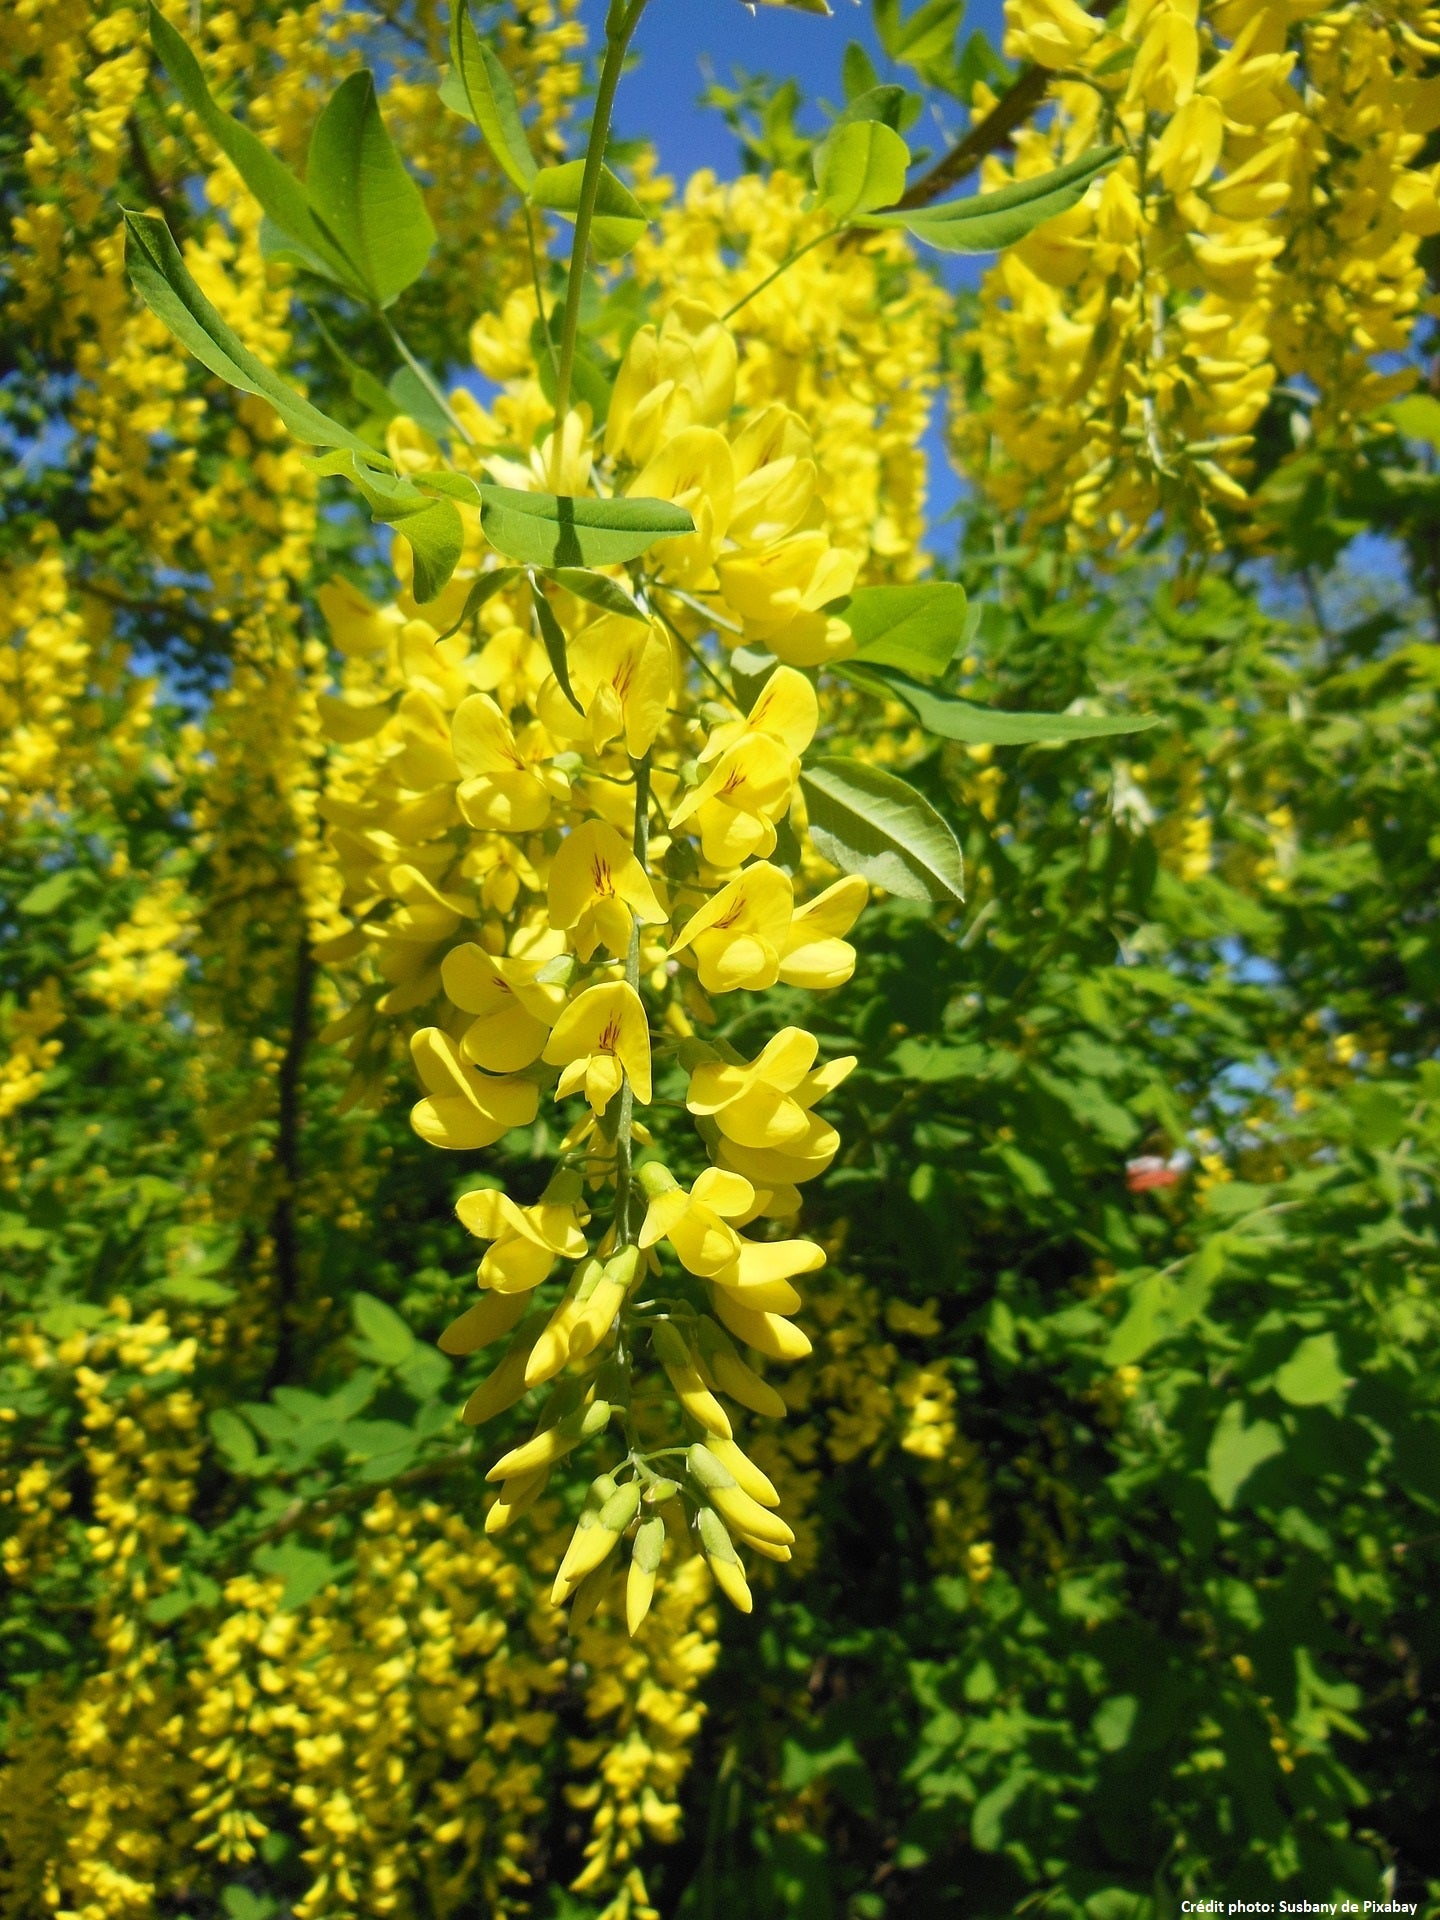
(1142, 1175)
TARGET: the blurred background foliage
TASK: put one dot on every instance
(1119, 1451)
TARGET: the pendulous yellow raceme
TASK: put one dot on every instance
(1263, 227)
(561, 883)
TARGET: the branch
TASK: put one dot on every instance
(1010, 111)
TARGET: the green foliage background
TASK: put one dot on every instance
(1203, 1415)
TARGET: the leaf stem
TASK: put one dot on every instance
(784, 267)
(620, 25)
(423, 375)
(640, 844)
(539, 296)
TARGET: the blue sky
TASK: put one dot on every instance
(676, 36)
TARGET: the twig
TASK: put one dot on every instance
(1010, 111)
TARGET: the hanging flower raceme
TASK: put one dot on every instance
(635, 808)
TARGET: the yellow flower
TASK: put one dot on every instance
(514, 1011)
(759, 1276)
(781, 590)
(498, 785)
(527, 1240)
(1055, 32)
(696, 470)
(1189, 149)
(597, 887)
(697, 1223)
(464, 1108)
(766, 1102)
(623, 674)
(602, 1039)
(749, 934)
(757, 762)
(683, 375)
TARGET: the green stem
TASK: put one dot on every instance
(423, 376)
(535, 283)
(641, 845)
(784, 267)
(620, 26)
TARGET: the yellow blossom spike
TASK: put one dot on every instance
(506, 1384)
(724, 1562)
(743, 1470)
(553, 1443)
(514, 1011)
(515, 1497)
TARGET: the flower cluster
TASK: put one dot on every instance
(1262, 226)
(569, 878)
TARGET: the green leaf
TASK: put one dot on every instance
(599, 589)
(1237, 1450)
(956, 719)
(234, 1439)
(929, 33)
(280, 194)
(387, 1338)
(867, 821)
(896, 106)
(860, 166)
(988, 221)
(191, 1590)
(389, 496)
(857, 73)
(552, 634)
(618, 220)
(164, 284)
(437, 539)
(479, 89)
(47, 895)
(557, 530)
(1313, 1374)
(1417, 416)
(487, 585)
(358, 186)
(916, 629)
(304, 1571)
(1114, 1721)
(409, 394)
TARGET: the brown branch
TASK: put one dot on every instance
(1010, 111)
